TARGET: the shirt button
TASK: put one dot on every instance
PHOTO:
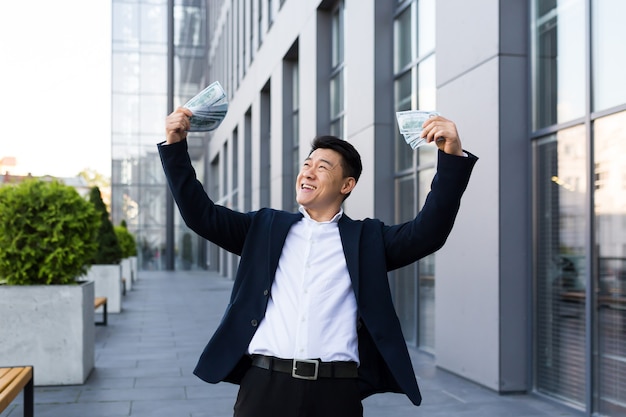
(254, 323)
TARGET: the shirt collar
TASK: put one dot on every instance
(335, 218)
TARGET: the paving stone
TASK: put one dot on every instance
(146, 355)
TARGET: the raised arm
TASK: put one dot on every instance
(224, 227)
(408, 242)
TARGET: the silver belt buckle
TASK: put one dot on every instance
(294, 369)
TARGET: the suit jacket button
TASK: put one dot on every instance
(254, 323)
(266, 292)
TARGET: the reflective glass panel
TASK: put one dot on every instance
(125, 68)
(151, 110)
(404, 41)
(560, 188)
(426, 85)
(336, 95)
(405, 281)
(154, 23)
(336, 128)
(559, 61)
(426, 26)
(610, 244)
(426, 269)
(337, 37)
(153, 74)
(125, 23)
(609, 53)
(404, 96)
(125, 114)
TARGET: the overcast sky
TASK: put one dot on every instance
(55, 86)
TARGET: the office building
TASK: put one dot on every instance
(529, 292)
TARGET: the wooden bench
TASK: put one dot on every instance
(101, 302)
(12, 381)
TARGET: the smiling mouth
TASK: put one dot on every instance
(307, 187)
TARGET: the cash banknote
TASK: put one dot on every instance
(209, 108)
(410, 124)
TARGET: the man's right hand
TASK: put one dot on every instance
(176, 125)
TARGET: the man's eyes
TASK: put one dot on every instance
(307, 165)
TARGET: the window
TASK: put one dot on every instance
(337, 73)
(295, 128)
(560, 264)
(414, 88)
(610, 281)
(609, 55)
(578, 104)
(558, 61)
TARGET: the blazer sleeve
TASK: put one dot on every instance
(408, 242)
(224, 227)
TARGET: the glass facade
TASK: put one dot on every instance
(139, 103)
(189, 78)
(414, 73)
(578, 107)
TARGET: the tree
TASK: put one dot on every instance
(126, 240)
(109, 251)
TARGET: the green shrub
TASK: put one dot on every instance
(47, 233)
(108, 248)
(126, 241)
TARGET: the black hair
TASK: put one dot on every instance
(350, 158)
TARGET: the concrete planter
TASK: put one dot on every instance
(127, 273)
(133, 268)
(50, 327)
(108, 283)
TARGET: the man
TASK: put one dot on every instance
(311, 329)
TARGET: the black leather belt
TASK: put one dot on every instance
(311, 369)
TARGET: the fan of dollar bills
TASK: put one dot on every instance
(209, 108)
(410, 123)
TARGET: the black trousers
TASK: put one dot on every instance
(265, 393)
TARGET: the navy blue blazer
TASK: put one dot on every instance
(371, 249)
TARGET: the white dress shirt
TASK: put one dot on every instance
(311, 312)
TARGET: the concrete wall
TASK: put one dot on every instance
(482, 277)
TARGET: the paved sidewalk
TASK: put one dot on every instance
(146, 355)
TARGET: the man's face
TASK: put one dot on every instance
(320, 185)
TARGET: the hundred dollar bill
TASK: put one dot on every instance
(209, 108)
(410, 123)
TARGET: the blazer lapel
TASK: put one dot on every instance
(280, 224)
(350, 231)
